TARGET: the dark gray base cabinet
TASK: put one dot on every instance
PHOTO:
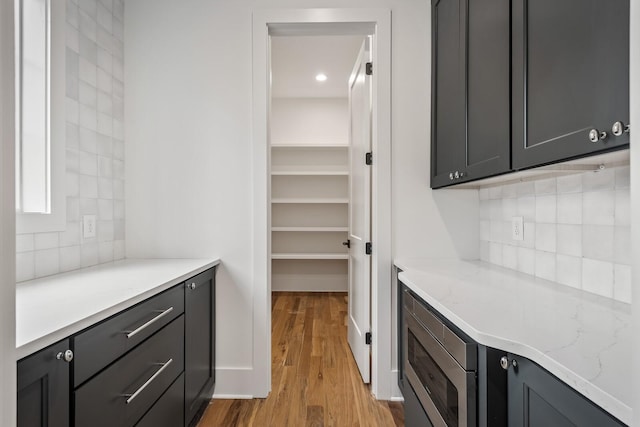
(539, 399)
(43, 388)
(150, 365)
(200, 339)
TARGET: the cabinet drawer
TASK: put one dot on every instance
(169, 409)
(100, 345)
(123, 392)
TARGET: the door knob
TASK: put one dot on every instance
(595, 135)
(347, 244)
(619, 128)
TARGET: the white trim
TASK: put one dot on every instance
(7, 217)
(634, 74)
(237, 383)
(292, 19)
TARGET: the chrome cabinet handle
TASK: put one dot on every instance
(135, 394)
(619, 128)
(67, 356)
(595, 135)
(451, 176)
(149, 323)
(191, 285)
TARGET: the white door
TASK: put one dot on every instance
(360, 212)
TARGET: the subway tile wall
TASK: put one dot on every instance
(576, 230)
(94, 146)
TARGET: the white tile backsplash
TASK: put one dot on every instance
(546, 209)
(576, 230)
(597, 277)
(597, 242)
(622, 283)
(94, 183)
(598, 208)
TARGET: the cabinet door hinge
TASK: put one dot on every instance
(369, 68)
(367, 248)
(368, 158)
(367, 338)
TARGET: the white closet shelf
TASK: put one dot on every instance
(303, 172)
(299, 255)
(309, 146)
(318, 229)
(318, 200)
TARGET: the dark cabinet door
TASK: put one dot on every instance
(200, 341)
(470, 90)
(43, 388)
(538, 399)
(570, 75)
(448, 137)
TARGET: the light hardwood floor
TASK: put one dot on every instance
(315, 381)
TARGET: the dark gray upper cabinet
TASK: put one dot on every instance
(470, 90)
(200, 339)
(43, 388)
(538, 399)
(570, 62)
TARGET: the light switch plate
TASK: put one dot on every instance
(517, 228)
(88, 226)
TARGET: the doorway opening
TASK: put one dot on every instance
(267, 25)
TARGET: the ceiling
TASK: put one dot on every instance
(296, 60)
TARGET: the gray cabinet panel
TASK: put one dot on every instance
(168, 411)
(100, 345)
(43, 388)
(538, 399)
(470, 90)
(103, 400)
(447, 89)
(570, 75)
(199, 343)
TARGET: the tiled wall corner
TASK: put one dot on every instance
(576, 230)
(94, 145)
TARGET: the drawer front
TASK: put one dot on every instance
(123, 392)
(168, 410)
(100, 345)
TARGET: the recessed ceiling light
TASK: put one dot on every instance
(321, 77)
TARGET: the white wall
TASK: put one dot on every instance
(310, 120)
(188, 176)
(635, 200)
(7, 220)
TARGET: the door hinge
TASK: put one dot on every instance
(367, 338)
(369, 68)
(367, 248)
(368, 158)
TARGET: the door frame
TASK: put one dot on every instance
(324, 22)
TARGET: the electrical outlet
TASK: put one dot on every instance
(88, 226)
(517, 228)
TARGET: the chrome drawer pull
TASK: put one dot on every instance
(135, 394)
(146, 325)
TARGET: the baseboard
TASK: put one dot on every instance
(396, 394)
(234, 383)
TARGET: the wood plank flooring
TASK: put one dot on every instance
(315, 381)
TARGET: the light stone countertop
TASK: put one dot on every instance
(583, 339)
(53, 308)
